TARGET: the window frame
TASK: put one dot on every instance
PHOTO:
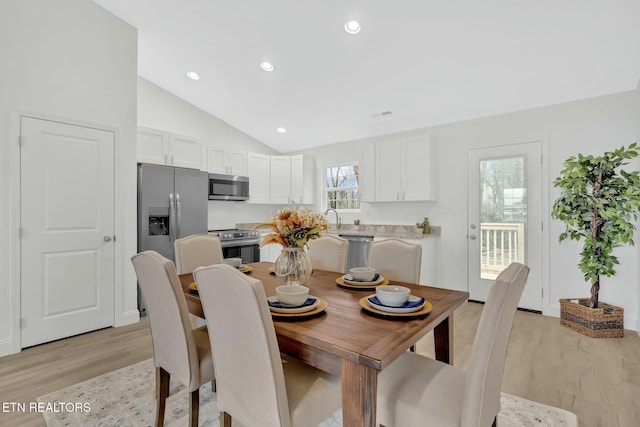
(325, 187)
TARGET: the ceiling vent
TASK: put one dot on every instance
(383, 113)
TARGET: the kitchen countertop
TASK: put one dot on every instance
(375, 230)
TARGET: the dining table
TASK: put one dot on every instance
(348, 340)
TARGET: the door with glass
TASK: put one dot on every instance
(505, 218)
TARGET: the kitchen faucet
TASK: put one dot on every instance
(338, 223)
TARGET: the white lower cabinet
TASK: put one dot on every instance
(270, 253)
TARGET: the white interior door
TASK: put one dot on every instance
(505, 217)
(67, 227)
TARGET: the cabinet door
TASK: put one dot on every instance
(302, 179)
(280, 179)
(368, 175)
(216, 160)
(236, 162)
(417, 169)
(153, 146)
(258, 173)
(388, 171)
(185, 151)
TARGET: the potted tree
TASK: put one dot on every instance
(599, 203)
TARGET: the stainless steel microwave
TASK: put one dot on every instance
(228, 187)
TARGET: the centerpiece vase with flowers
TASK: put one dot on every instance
(293, 228)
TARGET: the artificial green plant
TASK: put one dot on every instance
(598, 203)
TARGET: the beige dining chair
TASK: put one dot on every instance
(179, 351)
(329, 253)
(396, 260)
(416, 390)
(196, 251)
(254, 385)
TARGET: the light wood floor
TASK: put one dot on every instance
(598, 379)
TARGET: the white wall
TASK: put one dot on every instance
(81, 67)
(638, 243)
(588, 126)
(160, 109)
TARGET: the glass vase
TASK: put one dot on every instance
(293, 266)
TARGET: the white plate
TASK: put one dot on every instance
(349, 280)
(293, 310)
(412, 298)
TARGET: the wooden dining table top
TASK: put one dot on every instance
(349, 341)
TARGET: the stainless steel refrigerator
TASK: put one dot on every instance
(172, 203)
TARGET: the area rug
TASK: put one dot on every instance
(126, 398)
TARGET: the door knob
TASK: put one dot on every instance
(107, 238)
(473, 226)
(472, 237)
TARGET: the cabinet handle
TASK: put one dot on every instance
(402, 194)
(165, 159)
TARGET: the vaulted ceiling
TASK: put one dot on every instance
(415, 63)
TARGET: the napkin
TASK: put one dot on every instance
(277, 304)
(375, 277)
(409, 304)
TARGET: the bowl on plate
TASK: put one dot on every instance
(233, 262)
(364, 274)
(294, 295)
(393, 296)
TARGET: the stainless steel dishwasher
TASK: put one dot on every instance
(358, 250)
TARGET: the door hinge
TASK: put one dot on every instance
(19, 232)
(20, 141)
(542, 292)
(541, 159)
(542, 225)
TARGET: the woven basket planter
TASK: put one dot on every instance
(606, 321)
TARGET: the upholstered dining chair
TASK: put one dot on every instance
(329, 253)
(415, 390)
(254, 385)
(196, 251)
(179, 351)
(396, 260)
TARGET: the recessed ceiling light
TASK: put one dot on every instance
(267, 66)
(281, 130)
(352, 27)
(193, 75)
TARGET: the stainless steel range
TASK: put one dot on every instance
(236, 243)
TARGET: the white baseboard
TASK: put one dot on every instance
(552, 310)
(6, 347)
(127, 318)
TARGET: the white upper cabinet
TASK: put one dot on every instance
(230, 162)
(258, 167)
(303, 172)
(405, 170)
(153, 146)
(185, 151)
(280, 181)
(368, 175)
(164, 148)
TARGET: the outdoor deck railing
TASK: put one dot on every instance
(500, 245)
